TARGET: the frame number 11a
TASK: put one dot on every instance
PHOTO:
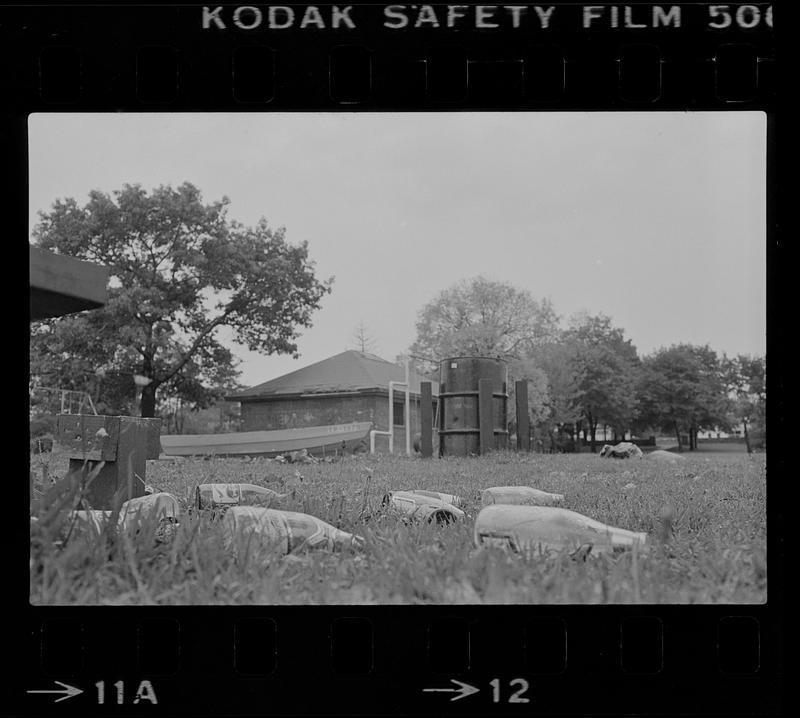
(116, 693)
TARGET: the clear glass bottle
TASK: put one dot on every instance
(421, 507)
(222, 496)
(543, 528)
(452, 499)
(518, 495)
(284, 531)
(161, 507)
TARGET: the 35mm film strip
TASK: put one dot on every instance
(314, 661)
(394, 56)
(453, 655)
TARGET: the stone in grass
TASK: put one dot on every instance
(300, 457)
(623, 450)
(665, 457)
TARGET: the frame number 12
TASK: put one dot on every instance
(521, 686)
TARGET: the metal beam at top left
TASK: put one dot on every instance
(64, 285)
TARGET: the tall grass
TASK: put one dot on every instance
(715, 547)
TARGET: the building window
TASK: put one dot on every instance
(398, 413)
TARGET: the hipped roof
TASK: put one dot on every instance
(350, 371)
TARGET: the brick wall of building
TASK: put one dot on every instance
(295, 413)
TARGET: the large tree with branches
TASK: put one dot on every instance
(682, 388)
(180, 270)
(480, 317)
(606, 368)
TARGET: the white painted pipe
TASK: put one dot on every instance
(391, 416)
(392, 385)
(405, 384)
(372, 435)
(408, 412)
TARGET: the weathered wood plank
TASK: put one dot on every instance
(78, 433)
(523, 418)
(486, 415)
(426, 419)
(119, 455)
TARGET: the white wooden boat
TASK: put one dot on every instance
(314, 439)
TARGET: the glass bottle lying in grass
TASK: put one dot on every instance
(518, 495)
(223, 496)
(418, 506)
(284, 531)
(159, 507)
(542, 528)
(451, 499)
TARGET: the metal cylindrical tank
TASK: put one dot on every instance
(459, 424)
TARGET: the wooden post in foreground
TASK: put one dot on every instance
(486, 415)
(426, 419)
(116, 448)
(523, 420)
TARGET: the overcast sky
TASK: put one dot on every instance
(656, 219)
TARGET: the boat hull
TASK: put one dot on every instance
(314, 439)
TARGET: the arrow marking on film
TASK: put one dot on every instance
(465, 690)
(69, 691)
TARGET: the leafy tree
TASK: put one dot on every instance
(745, 378)
(219, 417)
(180, 270)
(64, 357)
(606, 391)
(562, 407)
(480, 317)
(681, 389)
(538, 392)
(605, 366)
(597, 330)
(713, 401)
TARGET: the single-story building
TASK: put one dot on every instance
(348, 387)
(736, 432)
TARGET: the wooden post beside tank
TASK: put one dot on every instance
(485, 416)
(523, 420)
(426, 419)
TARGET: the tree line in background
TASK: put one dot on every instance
(586, 376)
(180, 270)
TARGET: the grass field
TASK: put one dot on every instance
(715, 553)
